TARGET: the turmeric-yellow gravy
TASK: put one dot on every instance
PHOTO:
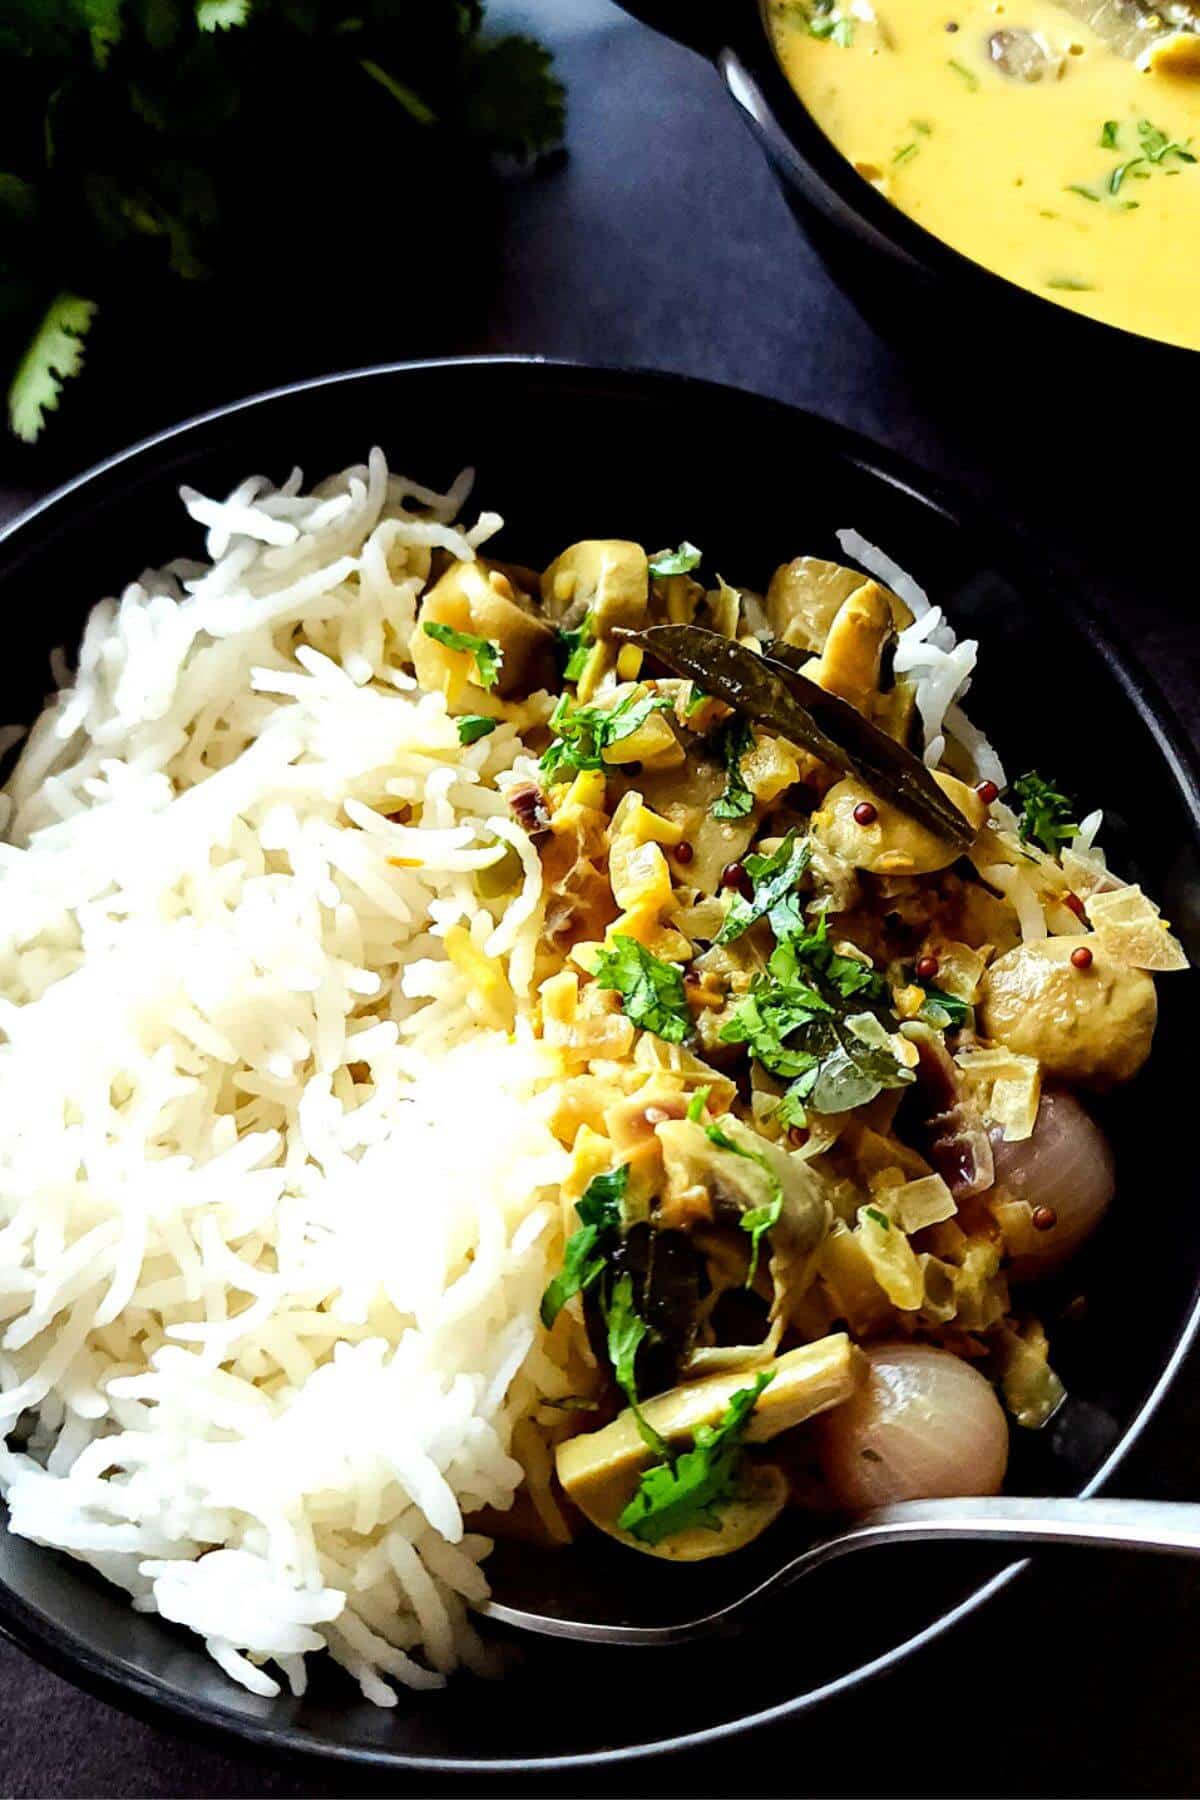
(1009, 129)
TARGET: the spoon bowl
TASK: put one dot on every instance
(535, 1599)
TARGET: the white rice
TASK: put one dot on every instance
(275, 1205)
(940, 668)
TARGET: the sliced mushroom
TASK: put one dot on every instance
(600, 1469)
(475, 598)
(868, 833)
(1089, 1027)
(849, 664)
(1024, 55)
(607, 577)
(686, 796)
(705, 1178)
(805, 596)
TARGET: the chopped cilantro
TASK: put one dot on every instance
(906, 152)
(473, 726)
(879, 1218)
(757, 1220)
(1045, 813)
(651, 990)
(964, 74)
(52, 356)
(1121, 171)
(1156, 144)
(1085, 193)
(737, 800)
(774, 878)
(578, 647)
(697, 1104)
(488, 655)
(1108, 134)
(689, 1489)
(946, 1011)
(1071, 286)
(797, 1023)
(827, 22)
(676, 562)
(588, 1249)
(626, 1329)
(583, 733)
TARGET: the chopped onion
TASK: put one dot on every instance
(1066, 1166)
(924, 1425)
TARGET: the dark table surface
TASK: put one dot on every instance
(663, 242)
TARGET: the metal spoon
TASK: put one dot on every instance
(1107, 1524)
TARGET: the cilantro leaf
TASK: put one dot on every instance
(583, 733)
(737, 800)
(488, 655)
(676, 562)
(588, 1249)
(1156, 144)
(511, 98)
(54, 353)
(222, 15)
(697, 1104)
(689, 1489)
(774, 878)
(1108, 134)
(578, 646)
(473, 726)
(945, 1011)
(651, 990)
(757, 1220)
(626, 1330)
(1045, 813)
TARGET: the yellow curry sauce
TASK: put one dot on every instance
(1070, 171)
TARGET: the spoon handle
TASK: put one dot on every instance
(1007, 1519)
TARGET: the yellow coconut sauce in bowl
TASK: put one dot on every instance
(1052, 141)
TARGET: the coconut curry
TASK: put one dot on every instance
(1053, 141)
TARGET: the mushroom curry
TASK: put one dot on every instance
(823, 1001)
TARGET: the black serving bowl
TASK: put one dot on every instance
(567, 452)
(983, 333)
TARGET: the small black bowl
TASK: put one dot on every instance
(985, 332)
(567, 452)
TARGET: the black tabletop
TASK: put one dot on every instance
(663, 242)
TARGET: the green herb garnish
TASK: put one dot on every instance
(964, 74)
(1121, 171)
(906, 153)
(588, 1249)
(757, 1220)
(626, 1330)
(774, 879)
(697, 1104)
(583, 733)
(473, 726)
(689, 1489)
(1156, 145)
(1085, 193)
(944, 1011)
(577, 645)
(1045, 813)
(651, 990)
(676, 562)
(1108, 134)
(1071, 286)
(879, 1218)
(737, 800)
(488, 655)
(127, 132)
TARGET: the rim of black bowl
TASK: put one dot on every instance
(737, 39)
(132, 1691)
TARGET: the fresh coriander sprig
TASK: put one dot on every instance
(651, 990)
(488, 656)
(690, 1488)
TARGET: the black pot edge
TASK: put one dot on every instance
(153, 1701)
(733, 36)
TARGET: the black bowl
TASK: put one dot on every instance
(566, 452)
(981, 330)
